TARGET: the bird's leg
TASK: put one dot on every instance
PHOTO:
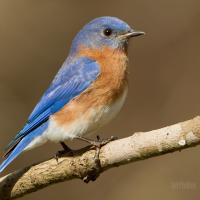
(66, 150)
(65, 147)
(94, 143)
(97, 144)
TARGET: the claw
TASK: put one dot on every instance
(66, 150)
(97, 144)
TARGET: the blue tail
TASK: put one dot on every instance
(26, 140)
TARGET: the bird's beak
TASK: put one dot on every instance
(132, 33)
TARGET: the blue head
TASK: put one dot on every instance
(104, 31)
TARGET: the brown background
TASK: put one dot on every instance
(164, 87)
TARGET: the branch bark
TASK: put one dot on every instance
(139, 146)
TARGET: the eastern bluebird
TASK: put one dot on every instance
(87, 92)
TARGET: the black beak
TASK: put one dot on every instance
(133, 33)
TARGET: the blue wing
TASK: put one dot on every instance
(71, 80)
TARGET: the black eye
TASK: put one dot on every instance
(107, 32)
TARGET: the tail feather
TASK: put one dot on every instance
(19, 148)
(16, 151)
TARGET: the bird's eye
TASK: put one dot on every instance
(107, 32)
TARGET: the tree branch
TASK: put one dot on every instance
(139, 146)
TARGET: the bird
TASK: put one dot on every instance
(88, 91)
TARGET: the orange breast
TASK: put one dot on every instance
(108, 87)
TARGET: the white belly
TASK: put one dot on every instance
(98, 117)
(84, 124)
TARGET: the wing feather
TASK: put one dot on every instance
(71, 80)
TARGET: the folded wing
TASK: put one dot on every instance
(71, 80)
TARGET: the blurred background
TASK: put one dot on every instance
(35, 37)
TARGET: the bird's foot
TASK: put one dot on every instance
(97, 144)
(66, 151)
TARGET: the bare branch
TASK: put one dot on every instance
(139, 146)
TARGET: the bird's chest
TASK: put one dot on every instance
(99, 115)
(80, 119)
(98, 104)
(105, 97)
